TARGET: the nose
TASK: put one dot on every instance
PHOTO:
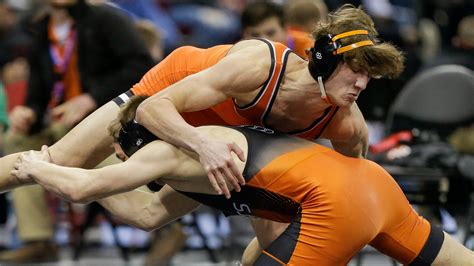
(362, 81)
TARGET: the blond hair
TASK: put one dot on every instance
(150, 34)
(379, 60)
(126, 113)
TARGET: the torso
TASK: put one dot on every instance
(280, 103)
(286, 102)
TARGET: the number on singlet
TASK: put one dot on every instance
(243, 209)
(261, 129)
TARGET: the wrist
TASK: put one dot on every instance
(199, 142)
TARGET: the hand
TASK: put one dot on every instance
(21, 118)
(27, 162)
(217, 160)
(15, 71)
(74, 110)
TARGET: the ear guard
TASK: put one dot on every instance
(133, 137)
(327, 50)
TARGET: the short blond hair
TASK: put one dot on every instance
(126, 114)
(149, 32)
(381, 59)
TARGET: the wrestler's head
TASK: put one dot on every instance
(347, 54)
(129, 136)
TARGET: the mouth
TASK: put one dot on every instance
(352, 96)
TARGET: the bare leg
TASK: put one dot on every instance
(453, 253)
(85, 145)
(251, 252)
(266, 232)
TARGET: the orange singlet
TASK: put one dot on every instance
(189, 60)
(335, 204)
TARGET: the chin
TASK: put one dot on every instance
(345, 103)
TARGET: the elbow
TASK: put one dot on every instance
(153, 109)
(147, 228)
(143, 224)
(72, 194)
(142, 114)
(77, 194)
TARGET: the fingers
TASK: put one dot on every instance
(235, 170)
(222, 184)
(213, 182)
(230, 177)
(237, 150)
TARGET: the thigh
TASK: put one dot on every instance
(89, 142)
(321, 236)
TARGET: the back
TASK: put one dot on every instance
(182, 62)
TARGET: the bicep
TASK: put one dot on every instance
(236, 73)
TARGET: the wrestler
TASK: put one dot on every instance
(335, 204)
(256, 74)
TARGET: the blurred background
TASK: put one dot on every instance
(421, 125)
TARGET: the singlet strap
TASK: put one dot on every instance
(257, 108)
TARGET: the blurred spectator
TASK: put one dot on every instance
(396, 22)
(206, 23)
(429, 36)
(14, 47)
(83, 56)
(150, 10)
(3, 127)
(152, 37)
(3, 116)
(266, 20)
(462, 50)
(304, 15)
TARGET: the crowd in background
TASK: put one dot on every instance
(99, 53)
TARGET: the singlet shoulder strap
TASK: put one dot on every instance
(256, 109)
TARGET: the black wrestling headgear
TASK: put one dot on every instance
(327, 52)
(133, 137)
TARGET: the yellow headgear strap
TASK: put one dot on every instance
(354, 45)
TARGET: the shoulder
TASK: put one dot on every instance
(253, 52)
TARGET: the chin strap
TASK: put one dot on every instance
(323, 91)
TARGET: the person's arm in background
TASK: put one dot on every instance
(112, 59)
(237, 73)
(121, 41)
(28, 117)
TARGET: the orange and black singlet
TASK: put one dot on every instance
(189, 60)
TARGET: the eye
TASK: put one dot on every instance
(254, 35)
(270, 33)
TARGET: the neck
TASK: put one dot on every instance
(307, 90)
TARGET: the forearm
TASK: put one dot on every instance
(163, 119)
(8, 181)
(65, 182)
